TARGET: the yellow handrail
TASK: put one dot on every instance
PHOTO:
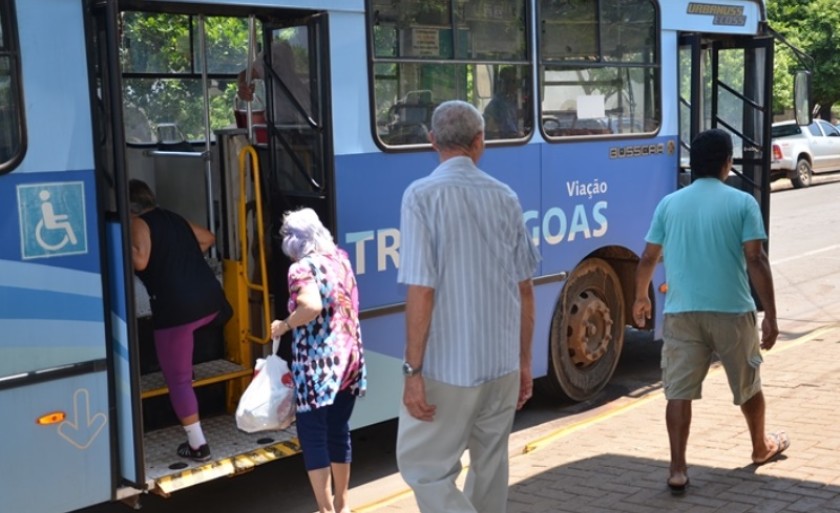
(243, 240)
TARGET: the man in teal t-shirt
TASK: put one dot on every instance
(711, 238)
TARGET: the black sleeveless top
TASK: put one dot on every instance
(182, 288)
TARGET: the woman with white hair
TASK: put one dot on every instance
(328, 364)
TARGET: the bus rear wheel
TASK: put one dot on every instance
(587, 331)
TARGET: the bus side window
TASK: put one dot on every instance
(471, 51)
(12, 126)
(599, 68)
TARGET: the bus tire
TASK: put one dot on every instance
(587, 332)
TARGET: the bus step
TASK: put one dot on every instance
(233, 452)
(207, 373)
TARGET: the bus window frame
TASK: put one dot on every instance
(527, 63)
(10, 49)
(601, 63)
(193, 73)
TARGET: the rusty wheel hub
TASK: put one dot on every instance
(590, 327)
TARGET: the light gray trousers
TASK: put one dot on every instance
(477, 419)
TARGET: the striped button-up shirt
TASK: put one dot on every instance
(462, 234)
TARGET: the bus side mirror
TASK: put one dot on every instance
(802, 98)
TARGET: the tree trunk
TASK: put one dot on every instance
(825, 112)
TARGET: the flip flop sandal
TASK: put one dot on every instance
(782, 443)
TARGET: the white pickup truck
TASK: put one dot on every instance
(799, 151)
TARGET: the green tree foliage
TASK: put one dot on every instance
(814, 27)
(162, 65)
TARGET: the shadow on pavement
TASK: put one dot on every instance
(619, 483)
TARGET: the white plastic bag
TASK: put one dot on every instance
(268, 403)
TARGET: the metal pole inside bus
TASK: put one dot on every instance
(208, 162)
(252, 55)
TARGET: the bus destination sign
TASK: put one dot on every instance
(730, 15)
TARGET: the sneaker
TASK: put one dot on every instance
(200, 454)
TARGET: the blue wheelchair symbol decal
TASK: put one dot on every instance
(52, 219)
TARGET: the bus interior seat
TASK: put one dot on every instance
(412, 118)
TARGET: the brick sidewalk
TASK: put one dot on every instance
(617, 460)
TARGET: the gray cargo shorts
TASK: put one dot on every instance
(691, 339)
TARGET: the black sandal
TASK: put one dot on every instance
(200, 454)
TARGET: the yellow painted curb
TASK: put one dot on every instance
(541, 442)
(402, 494)
(817, 333)
(386, 501)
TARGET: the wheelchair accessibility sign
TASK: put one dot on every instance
(52, 219)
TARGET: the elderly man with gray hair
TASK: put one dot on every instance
(467, 260)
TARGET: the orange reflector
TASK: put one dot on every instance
(663, 288)
(51, 418)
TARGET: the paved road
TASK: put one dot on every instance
(805, 253)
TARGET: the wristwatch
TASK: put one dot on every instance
(409, 371)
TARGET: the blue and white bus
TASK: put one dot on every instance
(605, 96)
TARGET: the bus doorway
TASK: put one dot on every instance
(164, 80)
(295, 150)
(726, 82)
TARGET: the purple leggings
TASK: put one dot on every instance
(175, 353)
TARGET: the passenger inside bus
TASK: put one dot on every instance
(284, 66)
(410, 118)
(293, 128)
(501, 116)
(167, 253)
